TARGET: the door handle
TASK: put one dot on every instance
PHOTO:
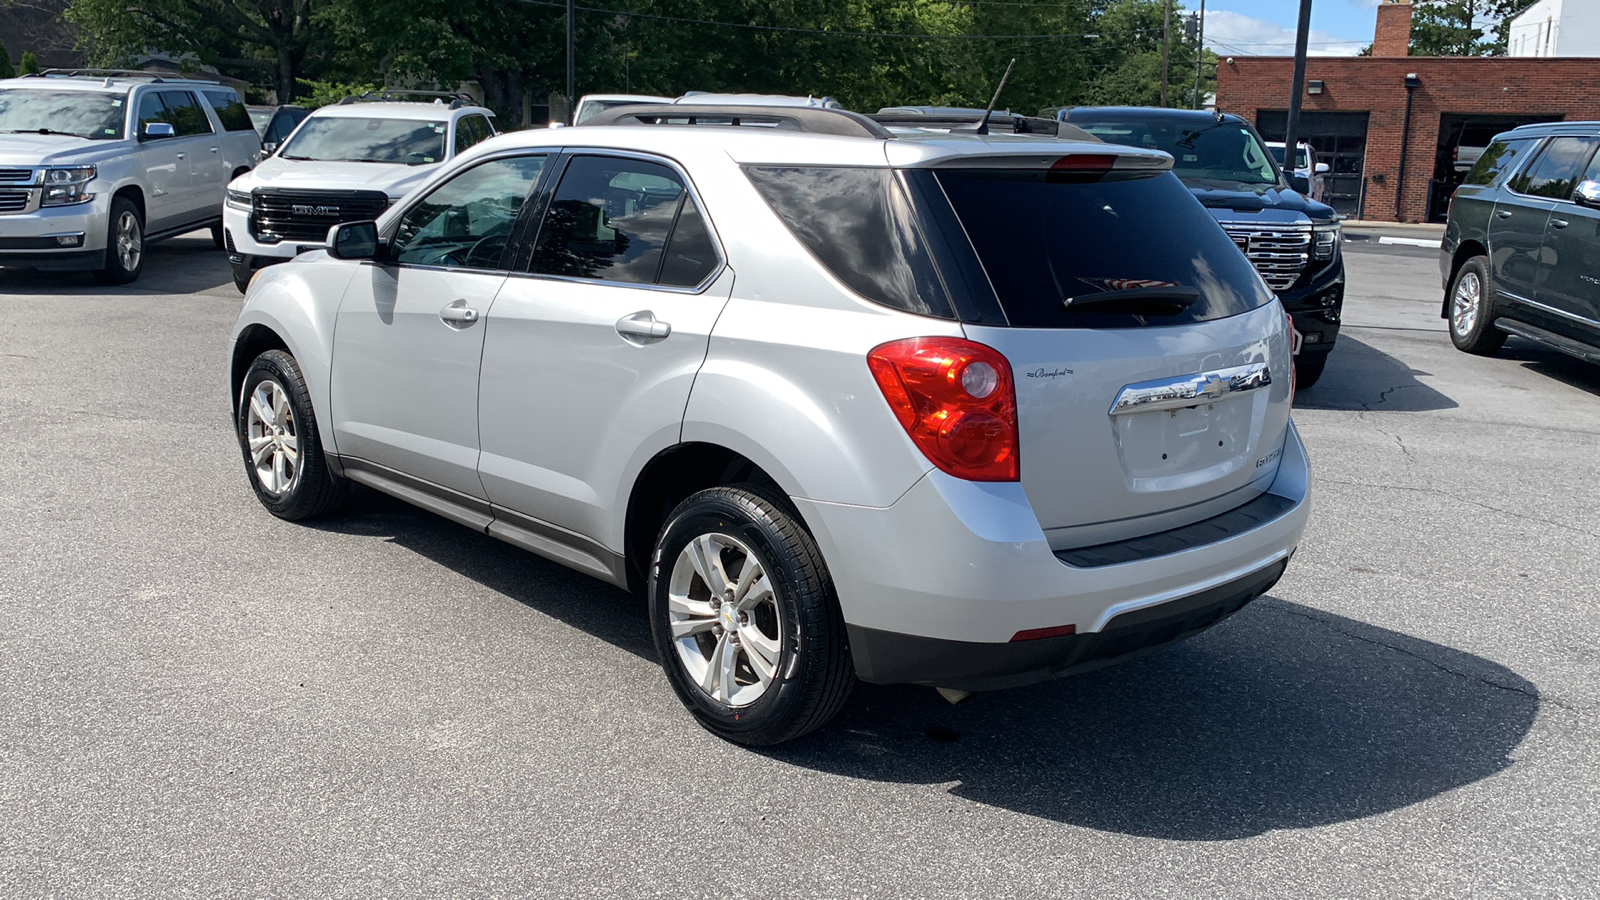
(183, 156)
(213, 149)
(458, 315)
(642, 328)
(1503, 213)
(1558, 223)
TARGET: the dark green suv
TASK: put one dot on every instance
(1521, 254)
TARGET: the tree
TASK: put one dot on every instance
(30, 64)
(6, 71)
(1462, 27)
(1126, 57)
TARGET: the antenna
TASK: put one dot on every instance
(983, 123)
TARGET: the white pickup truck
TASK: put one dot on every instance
(95, 164)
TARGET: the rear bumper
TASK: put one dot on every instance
(955, 563)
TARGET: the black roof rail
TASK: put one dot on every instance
(997, 122)
(101, 73)
(394, 95)
(809, 119)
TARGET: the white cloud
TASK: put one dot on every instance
(1235, 34)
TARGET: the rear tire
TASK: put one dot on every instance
(1472, 310)
(124, 244)
(277, 432)
(745, 617)
(1307, 369)
(219, 239)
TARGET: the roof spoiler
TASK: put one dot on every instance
(808, 119)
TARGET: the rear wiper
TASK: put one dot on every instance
(44, 131)
(1151, 301)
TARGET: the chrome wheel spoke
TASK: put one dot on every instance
(269, 434)
(706, 554)
(260, 449)
(761, 652)
(727, 632)
(757, 591)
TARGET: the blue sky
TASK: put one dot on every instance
(1266, 27)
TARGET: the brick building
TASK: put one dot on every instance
(1354, 113)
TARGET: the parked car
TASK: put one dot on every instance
(955, 410)
(1307, 177)
(95, 164)
(1521, 249)
(275, 123)
(1293, 241)
(345, 161)
(591, 105)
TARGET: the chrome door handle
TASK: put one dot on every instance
(1503, 213)
(458, 315)
(183, 156)
(1558, 223)
(642, 328)
(213, 149)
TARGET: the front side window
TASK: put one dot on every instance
(467, 221)
(413, 142)
(1555, 173)
(1497, 161)
(87, 114)
(624, 220)
(1201, 151)
(185, 114)
(230, 110)
(471, 130)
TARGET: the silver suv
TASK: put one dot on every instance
(95, 164)
(962, 410)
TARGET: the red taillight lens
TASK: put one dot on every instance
(1084, 162)
(956, 400)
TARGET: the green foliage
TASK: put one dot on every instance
(30, 64)
(6, 70)
(316, 94)
(1457, 27)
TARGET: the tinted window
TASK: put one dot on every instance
(609, 220)
(185, 114)
(151, 109)
(1201, 148)
(470, 130)
(1046, 239)
(1593, 172)
(95, 116)
(1555, 172)
(690, 254)
(360, 139)
(230, 110)
(467, 221)
(858, 223)
(1497, 161)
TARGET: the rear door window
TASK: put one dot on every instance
(230, 110)
(1555, 173)
(185, 114)
(1051, 243)
(1498, 161)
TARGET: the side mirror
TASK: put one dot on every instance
(353, 240)
(1323, 169)
(1587, 194)
(159, 130)
(268, 148)
(1300, 183)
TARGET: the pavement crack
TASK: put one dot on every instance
(1459, 499)
(1534, 695)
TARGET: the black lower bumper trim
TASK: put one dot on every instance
(1238, 520)
(71, 261)
(887, 657)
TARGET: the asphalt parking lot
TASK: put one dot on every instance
(203, 701)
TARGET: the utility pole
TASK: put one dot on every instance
(1199, 53)
(1291, 135)
(572, 57)
(1166, 50)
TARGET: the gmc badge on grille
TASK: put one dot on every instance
(300, 210)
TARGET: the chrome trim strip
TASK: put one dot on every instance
(1190, 390)
(1549, 309)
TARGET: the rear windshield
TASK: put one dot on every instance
(350, 139)
(1045, 240)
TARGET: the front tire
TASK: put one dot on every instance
(124, 244)
(218, 238)
(745, 617)
(1308, 368)
(1472, 310)
(277, 432)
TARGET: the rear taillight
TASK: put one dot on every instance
(1084, 162)
(956, 400)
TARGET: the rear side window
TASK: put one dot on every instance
(624, 220)
(1051, 243)
(1555, 172)
(1497, 161)
(230, 110)
(859, 224)
(185, 114)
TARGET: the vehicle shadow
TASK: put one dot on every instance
(1585, 376)
(187, 264)
(1281, 717)
(1361, 377)
(606, 612)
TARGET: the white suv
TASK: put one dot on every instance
(962, 410)
(344, 162)
(95, 164)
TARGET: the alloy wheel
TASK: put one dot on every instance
(274, 441)
(1465, 302)
(130, 241)
(726, 624)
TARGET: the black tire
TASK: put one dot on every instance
(1472, 322)
(219, 239)
(118, 267)
(1308, 368)
(813, 673)
(243, 284)
(314, 490)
